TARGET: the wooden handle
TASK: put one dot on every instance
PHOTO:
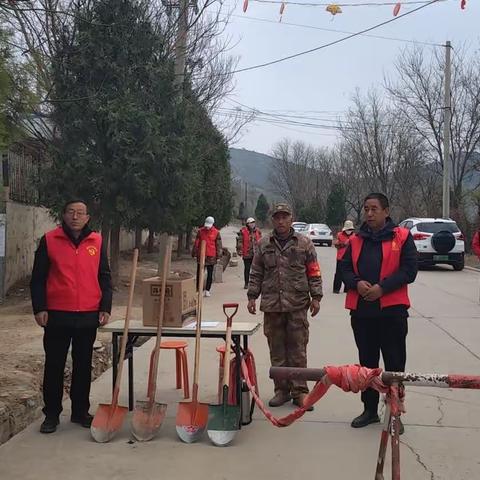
(226, 358)
(201, 276)
(123, 347)
(152, 387)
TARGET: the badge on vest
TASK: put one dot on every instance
(395, 247)
(92, 250)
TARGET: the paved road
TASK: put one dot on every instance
(442, 426)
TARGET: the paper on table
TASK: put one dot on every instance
(203, 325)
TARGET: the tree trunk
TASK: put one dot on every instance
(188, 240)
(138, 238)
(150, 241)
(115, 253)
(180, 244)
(105, 227)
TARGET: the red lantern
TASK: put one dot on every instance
(463, 4)
(396, 9)
(245, 6)
(282, 8)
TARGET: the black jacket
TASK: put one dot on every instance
(41, 265)
(370, 263)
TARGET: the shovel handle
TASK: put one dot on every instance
(229, 306)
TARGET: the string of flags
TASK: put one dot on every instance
(336, 8)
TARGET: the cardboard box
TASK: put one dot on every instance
(180, 299)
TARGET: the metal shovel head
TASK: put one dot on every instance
(147, 420)
(223, 423)
(192, 418)
(107, 422)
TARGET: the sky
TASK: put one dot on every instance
(318, 87)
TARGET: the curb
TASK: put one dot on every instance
(473, 269)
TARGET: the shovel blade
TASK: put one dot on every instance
(107, 422)
(147, 420)
(221, 438)
(223, 423)
(192, 418)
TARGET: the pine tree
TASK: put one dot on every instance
(262, 208)
(336, 212)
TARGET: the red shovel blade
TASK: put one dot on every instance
(107, 422)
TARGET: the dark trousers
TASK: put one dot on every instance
(247, 263)
(209, 268)
(337, 281)
(385, 334)
(56, 342)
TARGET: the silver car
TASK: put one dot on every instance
(298, 226)
(319, 233)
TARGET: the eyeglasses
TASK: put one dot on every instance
(72, 213)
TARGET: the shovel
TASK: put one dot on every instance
(148, 415)
(224, 419)
(109, 418)
(192, 416)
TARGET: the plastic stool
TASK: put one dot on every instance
(221, 359)
(181, 364)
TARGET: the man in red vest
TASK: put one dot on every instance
(341, 244)
(247, 242)
(476, 243)
(212, 237)
(71, 293)
(380, 261)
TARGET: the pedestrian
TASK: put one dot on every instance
(380, 261)
(71, 293)
(247, 241)
(476, 243)
(341, 244)
(213, 250)
(286, 274)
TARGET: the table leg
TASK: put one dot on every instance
(129, 355)
(238, 375)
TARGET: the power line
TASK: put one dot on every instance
(365, 4)
(333, 30)
(329, 44)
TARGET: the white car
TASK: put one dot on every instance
(298, 226)
(319, 233)
(438, 241)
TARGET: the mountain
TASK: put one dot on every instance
(250, 178)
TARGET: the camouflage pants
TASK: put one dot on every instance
(287, 335)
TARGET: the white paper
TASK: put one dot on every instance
(203, 325)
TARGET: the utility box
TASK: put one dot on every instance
(180, 299)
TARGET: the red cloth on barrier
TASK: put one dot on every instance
(350, 378)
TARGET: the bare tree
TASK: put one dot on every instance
(418, 95)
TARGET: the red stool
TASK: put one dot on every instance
(181, 364)
(221, 360)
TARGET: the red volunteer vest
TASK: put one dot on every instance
(246, 239)
(210, 236)
(342, 237)
(72, 282)
(391, 251)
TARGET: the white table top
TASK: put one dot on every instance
(137, 328)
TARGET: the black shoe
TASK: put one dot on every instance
(83, 420)
(299, 402)
(49, 425)
(336, 291)
(366, 418)
(245, 287)
(279, 399)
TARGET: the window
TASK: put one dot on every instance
(438, 227)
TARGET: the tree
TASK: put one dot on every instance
(418, 96)
(262, 208)
(241, 211)
(336, 212)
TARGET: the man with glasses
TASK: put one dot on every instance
(71, 297)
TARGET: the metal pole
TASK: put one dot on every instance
(446, 132)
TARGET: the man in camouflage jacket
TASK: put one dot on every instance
(286, 274)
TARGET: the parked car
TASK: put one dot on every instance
(319, 233)
(298, 226)
(438, 241)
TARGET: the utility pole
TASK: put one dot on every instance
(179, 70)
(446, 131)
(246, 199)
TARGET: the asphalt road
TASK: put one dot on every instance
(442, 426)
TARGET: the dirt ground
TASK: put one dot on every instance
(21, 355)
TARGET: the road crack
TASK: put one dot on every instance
(440, 409)
(419, 459)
